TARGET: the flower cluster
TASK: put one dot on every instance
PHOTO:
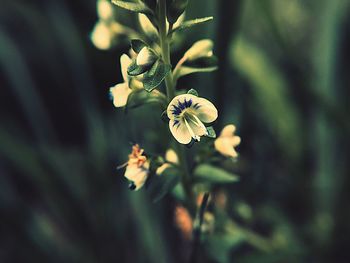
(148, 76)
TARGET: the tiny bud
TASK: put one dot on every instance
(104, 9)
(101, 36)
(146, 57)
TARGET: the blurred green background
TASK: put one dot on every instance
(283, 79)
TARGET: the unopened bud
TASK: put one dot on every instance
(146, 57)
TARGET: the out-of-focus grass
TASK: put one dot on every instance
(61, 199)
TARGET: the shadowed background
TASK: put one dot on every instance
(283, 79)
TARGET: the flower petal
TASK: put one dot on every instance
(125, 61)
(179, 103)
(145, 57)
(206, 110)
(195, 127)
(224, 146)
(120, 94)
(101, 36)
(104, 9)
(138, 175)
(180, 131)
(228, 131)
(171, 156)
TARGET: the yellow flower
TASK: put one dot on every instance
(137, 169)
(227, 140)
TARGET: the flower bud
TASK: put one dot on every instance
(147, 25)
(101, 36)
(202, 48)
(146, 57)
(104, 9)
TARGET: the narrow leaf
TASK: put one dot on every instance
(211, 174)
(134, 7)
(184, 70)
(160, 185)
(191, 23)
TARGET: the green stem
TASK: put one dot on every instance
(170, 91)
(198, 229)
(164, 45)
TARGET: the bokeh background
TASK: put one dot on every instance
(283, 79)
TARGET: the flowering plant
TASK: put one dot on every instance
(149, 76)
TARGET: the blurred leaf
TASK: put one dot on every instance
(190, 23)
(160, 185)
(134, 7)
(150, 3)
(183, 71)
(174, 9)
(203, 64)
(211, 174)
(219, 245)
(155, 75)
(271, 93)
(141, 97)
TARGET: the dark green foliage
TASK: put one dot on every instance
(175, 8)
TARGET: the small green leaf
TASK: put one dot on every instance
(134, 7)
(193, 92)
(211, 174)
(137, 45)
(183, 71)
(204, 64)
(191, 23)
(135, 70)
(160, 185)
(211, 132)
(155, 75)
(174, 9)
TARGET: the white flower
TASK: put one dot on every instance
(145, 57)
(170, 158)
(137, 168)
(101, 36)
(104, 9)
(226, 142)
(202, 48)
(121, 91)
(187, 114)
(104, 33)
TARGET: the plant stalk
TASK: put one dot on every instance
(170, 91)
